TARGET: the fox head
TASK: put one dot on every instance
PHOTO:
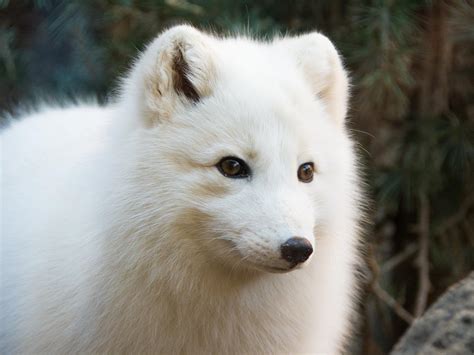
(238, 149)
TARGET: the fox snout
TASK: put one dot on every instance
(273, 255)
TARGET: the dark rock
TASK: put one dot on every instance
(446, 328)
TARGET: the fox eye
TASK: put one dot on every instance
(233, 167)
(306, 172)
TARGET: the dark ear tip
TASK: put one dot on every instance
(182, 84)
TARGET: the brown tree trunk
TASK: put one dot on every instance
(433, 95)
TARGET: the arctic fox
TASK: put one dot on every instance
(213, 208)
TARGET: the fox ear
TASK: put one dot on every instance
(176, 69)
(322, 67)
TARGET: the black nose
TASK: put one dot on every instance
(296, 250)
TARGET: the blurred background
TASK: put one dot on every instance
(412, 112)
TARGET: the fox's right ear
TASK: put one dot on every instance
(176, 69)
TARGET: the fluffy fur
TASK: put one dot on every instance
(120, 235)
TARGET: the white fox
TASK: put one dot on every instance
(213, 208)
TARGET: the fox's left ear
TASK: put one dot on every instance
(323, 68)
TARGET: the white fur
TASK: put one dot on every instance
(120, 235)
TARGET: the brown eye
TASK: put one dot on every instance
(306, 172)
(233, 167)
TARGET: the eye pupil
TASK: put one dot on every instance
(233, 168)
(306, 172)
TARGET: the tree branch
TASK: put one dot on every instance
(423, 256)
(456, 218)
(395, 260)
(380, 293)
(392, 303)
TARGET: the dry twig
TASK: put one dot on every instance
(423, 256)
(395, 260)
(383, 295)
(392, 303)
(456, 218)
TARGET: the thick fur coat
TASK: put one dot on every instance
(120, 234)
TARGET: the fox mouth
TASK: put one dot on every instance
(275, 269)
(279, 270)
